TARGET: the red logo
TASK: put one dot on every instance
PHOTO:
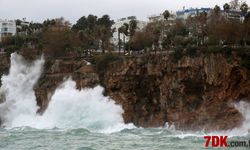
(217, 141)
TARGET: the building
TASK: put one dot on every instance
(230, 15)
(233, 15)
(156, 18)
(7, 28)
(22, 26)
(160, 18)
(185, 13)
(120, 23)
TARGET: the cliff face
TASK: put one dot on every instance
(195, 93)
(4, 63)
(4, 67)
(58, 70)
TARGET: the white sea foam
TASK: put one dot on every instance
(244, 130)
(69, 108)
(18, 91)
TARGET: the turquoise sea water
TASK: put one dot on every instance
(82, 139)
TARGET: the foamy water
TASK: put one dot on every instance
(69, 108)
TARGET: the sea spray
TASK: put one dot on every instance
(244, 108)
(88, 108)
(17, 88)
(69, 108)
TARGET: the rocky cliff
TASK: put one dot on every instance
(4, 67)
(4, 64)
(195, 93)
(58, 70)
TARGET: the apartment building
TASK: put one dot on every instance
(7, 28)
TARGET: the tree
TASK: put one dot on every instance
(120, 30)
(48, 22)
(97, 31)
(202, 27)
(157, 34)
(235, 4)
(18, 22)
(132, 30)
(57, 43)
(225, 31)
(86, 28)
(126, 29)
(244, 9)
(125, 32)
(104, 25)
(180, 29)
(154, 29)
(247, 17)
(132, 27)
(217, 10)
(81, 24)
(166, 14)
(142, 40)
(105, 21)
(226, 7)
(247, 28)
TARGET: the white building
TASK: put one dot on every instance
(155, 18)
(233, 15)
(185, 13)
(120, 23)
(160, 17)
(7, 28)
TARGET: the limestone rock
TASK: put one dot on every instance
(195, 93)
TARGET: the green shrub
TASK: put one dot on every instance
(191, 51)
(212, 41)
(227, 51)
(11, 49)
(102, 62)
(215, 49)
(178, 54)
(244, 54)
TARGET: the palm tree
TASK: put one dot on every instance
(132, 27)
(157, 34)
(235, 4)
(217, 9)
(125, 33)
(166, 14)
(132, 30)
(120, 30)
(244, 9)
(226, 7)
(126, 28)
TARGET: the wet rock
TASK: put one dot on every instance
(4, 64)
(56, 72)
(195, 93)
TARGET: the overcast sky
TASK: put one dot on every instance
(39, 10)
